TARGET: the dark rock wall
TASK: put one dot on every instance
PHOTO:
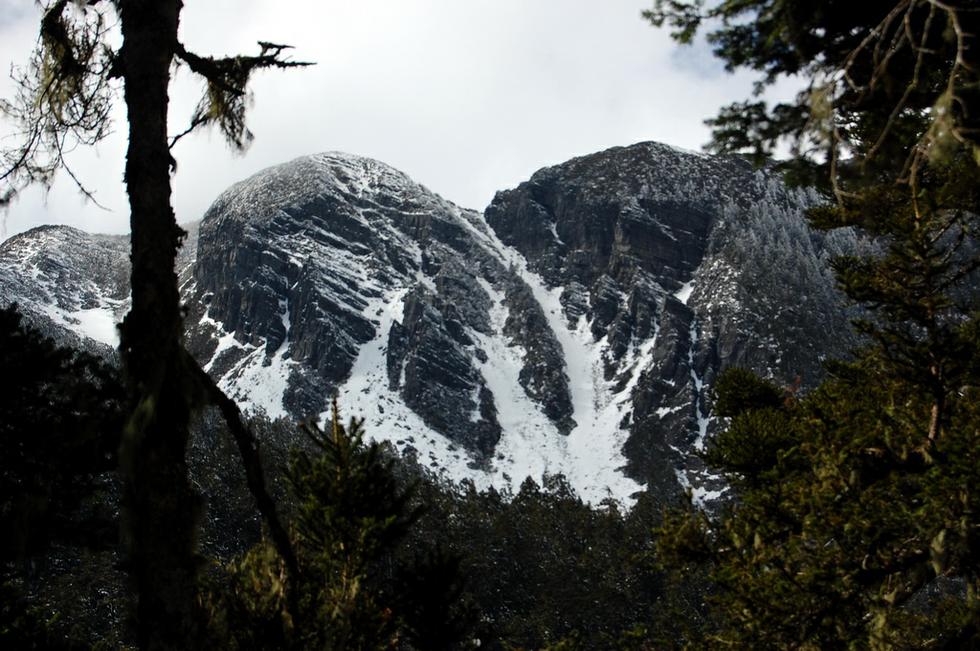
(623, 230)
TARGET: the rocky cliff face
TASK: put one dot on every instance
(575, 328)
(681, 265)
(332, 261)
(74, 286)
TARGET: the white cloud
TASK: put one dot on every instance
(468, 97)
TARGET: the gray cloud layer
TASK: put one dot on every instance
(466, 96)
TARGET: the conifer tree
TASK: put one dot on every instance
(854, 498)
(349, 512)
(64, 99)
(60, 415)
(355, 588)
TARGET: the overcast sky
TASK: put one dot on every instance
(466, 96)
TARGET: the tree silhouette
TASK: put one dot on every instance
(854, 499)
(63, 100)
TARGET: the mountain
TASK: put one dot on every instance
(575, 327)
(71, 285)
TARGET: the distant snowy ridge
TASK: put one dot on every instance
(70, 284)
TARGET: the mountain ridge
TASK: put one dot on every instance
(574, 328)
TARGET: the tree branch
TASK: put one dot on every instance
(225, 98)
(249, 449)
(63, 99)
(196, 121)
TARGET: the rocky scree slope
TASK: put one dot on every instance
(575, 328)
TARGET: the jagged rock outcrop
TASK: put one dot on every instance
(303, 266)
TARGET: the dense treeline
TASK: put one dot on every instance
(60, 418)
(390, 554)
(543, 567)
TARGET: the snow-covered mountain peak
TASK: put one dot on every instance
(576, 327)
(329, 176)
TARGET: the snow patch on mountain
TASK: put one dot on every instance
(367, 394)
(591, 456)
(574, 328)
(684, 293)
(97, 323)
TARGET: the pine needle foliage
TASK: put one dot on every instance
(854, 523)
(356, 587)
(350, 511)
(60, 415)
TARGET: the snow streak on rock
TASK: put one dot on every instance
(591, 456)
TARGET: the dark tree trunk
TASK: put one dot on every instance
(160, 508)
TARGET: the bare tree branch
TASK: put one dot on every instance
(196, 122)
(248, 447)
(63, 98)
